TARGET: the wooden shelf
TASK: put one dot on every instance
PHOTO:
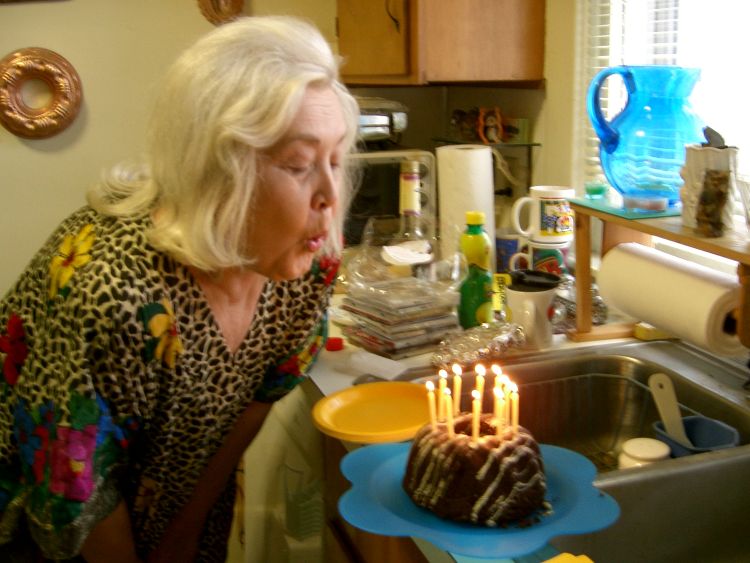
(734, 245)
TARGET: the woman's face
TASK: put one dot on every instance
(298, 188)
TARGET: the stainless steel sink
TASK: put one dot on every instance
(591, 400)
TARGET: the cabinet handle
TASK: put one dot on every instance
(394, 19)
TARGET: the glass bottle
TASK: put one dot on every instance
(475, 306)
(410, 204)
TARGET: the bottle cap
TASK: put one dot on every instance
(474, 218)
(410, 166)
(334, 344)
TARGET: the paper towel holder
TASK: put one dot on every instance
(734, 246)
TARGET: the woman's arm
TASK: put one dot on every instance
(111, 540)
(180, 541)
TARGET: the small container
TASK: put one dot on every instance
(645, 203)
(641, 451)
(596, 190)
(705, 434)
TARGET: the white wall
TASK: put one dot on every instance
(119, 49)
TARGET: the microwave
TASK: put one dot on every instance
(377, 190)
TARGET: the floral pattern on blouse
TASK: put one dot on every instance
(72, 254)
(60, 463)
(164, 343)
(13, 345)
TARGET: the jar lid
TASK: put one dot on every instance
(555, 192)
(533, 280)
(646, 449)
(475, 218)
(410, 167)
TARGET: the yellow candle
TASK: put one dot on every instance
(514, 405)
(449, 413)
(498, 371)
(480, 371)
(457, 394)
(499, 415)
(431, 403)
(476, 405)
(441, 394)
(506, 391)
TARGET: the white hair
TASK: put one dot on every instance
(231, 95)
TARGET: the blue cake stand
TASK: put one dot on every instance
(378, 504)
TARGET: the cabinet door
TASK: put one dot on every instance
(483, 40)
(374, 39)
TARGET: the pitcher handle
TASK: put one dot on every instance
(608, 136)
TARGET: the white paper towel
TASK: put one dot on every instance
(686, 299)
(465, 183)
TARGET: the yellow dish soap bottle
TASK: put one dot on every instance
(475, 306)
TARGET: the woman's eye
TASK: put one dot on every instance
(298, 169)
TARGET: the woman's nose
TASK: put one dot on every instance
(327, 192)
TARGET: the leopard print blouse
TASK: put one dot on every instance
(117, 383)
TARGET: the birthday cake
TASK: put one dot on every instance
(488, 480)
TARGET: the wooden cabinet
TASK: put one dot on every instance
(734, 245)
(392, 42)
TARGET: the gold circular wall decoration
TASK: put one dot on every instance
(36, 63)
(221, 11)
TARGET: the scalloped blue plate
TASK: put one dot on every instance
(378, 504)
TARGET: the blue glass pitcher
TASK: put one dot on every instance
(643, 148)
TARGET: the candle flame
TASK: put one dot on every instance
(430, 386)
(496, 369)
(475, 395)
(443, 374)
(498, 392)
(480, 369)
(513, 387)
(456, 369)
(447, 392)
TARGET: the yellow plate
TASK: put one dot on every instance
(385, 411)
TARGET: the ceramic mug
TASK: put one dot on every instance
(506, 245)
(546, 257)
(533, 311)
(550, 216)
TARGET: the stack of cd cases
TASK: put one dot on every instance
(401, 317)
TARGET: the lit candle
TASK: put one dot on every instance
(456, 389)
(506, 391)
(431, 403)
(514, 405)
(499, 414)
(476, 405)
(449, 412)
(498, 371)
(441, 394)
(457, 382)
(480, 371)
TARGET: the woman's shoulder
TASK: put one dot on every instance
(97, 253)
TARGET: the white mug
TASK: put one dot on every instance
(550, 215)
(544, 256)
(533, 311)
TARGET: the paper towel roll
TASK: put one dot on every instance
(465, 183)
(686, 299)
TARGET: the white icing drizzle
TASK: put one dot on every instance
(433, 470)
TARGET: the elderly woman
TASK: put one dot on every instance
(144, 344)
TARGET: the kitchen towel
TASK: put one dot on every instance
(683, 298)
(465, 183)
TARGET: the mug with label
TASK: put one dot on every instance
(550, 215)
(543, 256)
(506, 245)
